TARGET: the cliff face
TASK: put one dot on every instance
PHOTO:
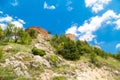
(41, 31)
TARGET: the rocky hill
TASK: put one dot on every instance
(18, 63)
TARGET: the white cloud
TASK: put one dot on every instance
(72, 30)
(96, 5)
(5, 19)
(117, 24)
(118, 46)
(17, 24)
(46, 6)
(86, 31)
(88, 36)
(14, 3)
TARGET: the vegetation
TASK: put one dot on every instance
(1, 33)
(73, 50)
(40, 52)
(33, 34)
(117, 56)
(16, 34)
(54, 59)
(65, 47)
(6, 74)
(1, 53)
(59, 78)
(68, 49)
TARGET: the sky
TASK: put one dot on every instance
(96, 21)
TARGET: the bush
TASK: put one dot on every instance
(59, 78)
(1, 53)
(94, 60)
(65, 47)
(40, 52)
(117, 56)
(68, 49)
(24, 37)
(54, 59)
(33, 34)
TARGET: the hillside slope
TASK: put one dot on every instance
(18, 63)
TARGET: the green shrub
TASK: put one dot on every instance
(117, 56)
(40, 52)
(33, 34)
(65, 47)
(1, 53)
(59, 78)
(54, 59)
(94, 60)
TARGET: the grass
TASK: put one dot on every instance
(110, 62)
(59, 78)
(7, 74)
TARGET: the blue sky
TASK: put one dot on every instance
(97, 21)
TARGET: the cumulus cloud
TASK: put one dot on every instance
(72, 30)
(14, 3)
(5, 19)
(96, 5)
(46, 6)
(118, 46)
(86, 31)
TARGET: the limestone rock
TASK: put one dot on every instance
(43, 61)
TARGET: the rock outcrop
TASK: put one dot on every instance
(71, 36)
(41, 31)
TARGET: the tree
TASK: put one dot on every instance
(65, 47)
(1, 33)
(16, 33)
(9, 31)
(83, 47)
(24, 37)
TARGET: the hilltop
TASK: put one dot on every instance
(47, 57)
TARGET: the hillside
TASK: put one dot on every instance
(23, 62)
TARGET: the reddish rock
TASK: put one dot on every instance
(41, 31)
(71, 36)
